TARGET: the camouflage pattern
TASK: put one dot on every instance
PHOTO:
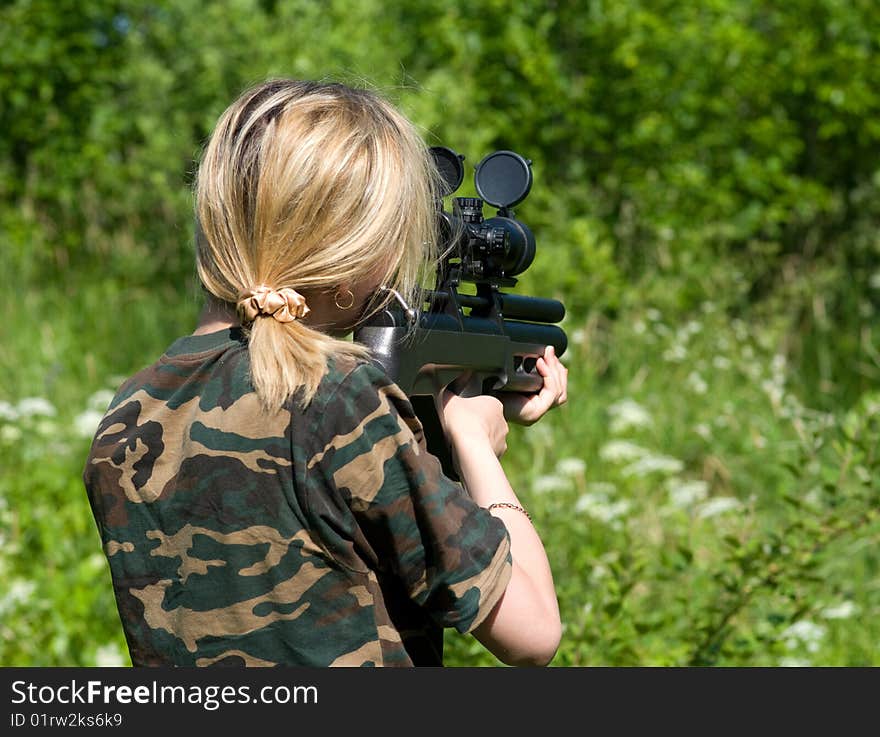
(324, 537)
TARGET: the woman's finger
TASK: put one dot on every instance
(553, 372)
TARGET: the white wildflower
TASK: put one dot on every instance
(777, 364)
(703, 430)
(85, 423)
(718, 505)
(844, 610)
(10, 433)
(721, 362)
(550, 483)
(8, 412)
(602, 487)
(109, 656)
(865, 476)
(804, 633)
(621, 451)
(639, 327)
(31, 406)
(773, 390)
(697, 383)
(626, 414)
(654, 315)
(765, 340)
(676, 353)
(653, 464)
(790, 662)
(874, 281)
(46, 427)
(692, 327)
(17, 593)
(601, 508)
(684, 493)
(753, 370)
(96, 562)
(100, 400)
(571, 467)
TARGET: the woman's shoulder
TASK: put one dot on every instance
(354, 388)
(352, 374)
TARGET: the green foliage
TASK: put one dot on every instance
(705, 202)
(695, 511)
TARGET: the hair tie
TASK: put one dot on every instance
(285, 305)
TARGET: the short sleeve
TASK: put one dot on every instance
(451, 557)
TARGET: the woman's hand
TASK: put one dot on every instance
(472, 420)
(526, 409)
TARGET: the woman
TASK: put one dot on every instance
(263, 491)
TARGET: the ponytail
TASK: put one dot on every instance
(285, 357)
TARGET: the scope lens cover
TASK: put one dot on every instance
(450, 167)
(503, 179)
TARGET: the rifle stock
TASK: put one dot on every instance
(501, 354)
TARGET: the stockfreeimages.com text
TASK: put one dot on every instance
(209, 697)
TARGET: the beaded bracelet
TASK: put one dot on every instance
(508, 505)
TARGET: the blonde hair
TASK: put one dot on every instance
(309, 185)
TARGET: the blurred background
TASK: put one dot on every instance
(706, 203)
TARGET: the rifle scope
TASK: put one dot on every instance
(501, 246)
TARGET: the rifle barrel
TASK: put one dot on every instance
(536, 309)
(514, 306)
(529, 332)
(519, 332)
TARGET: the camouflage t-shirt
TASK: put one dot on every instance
(320, 537)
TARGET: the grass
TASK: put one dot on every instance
(696, 509)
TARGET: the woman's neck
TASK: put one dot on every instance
(323, 315)
(215, 317)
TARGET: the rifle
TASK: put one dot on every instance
(496, 336)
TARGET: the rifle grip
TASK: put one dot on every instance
(435, 438)
(468, 384)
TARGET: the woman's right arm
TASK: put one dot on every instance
(524, 627)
